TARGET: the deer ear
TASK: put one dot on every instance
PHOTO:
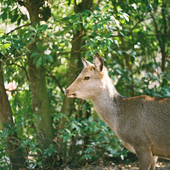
(85, 62)
(98, 62)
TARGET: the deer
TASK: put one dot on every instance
(142, 123)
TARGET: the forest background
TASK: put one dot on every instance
(41, 45)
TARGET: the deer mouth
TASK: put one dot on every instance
(68, 94)
(72, 95)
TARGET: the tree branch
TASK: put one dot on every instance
(18, 28)
(55, 79)
(156, 28)
(22, 67)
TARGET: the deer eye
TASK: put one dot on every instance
(86, 78)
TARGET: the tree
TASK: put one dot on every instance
(40, 101)
(75, 59)
(42, 55)
(13, 148)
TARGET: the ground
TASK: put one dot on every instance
(162, 165)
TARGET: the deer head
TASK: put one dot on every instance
(91, 80)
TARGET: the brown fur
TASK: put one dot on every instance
(142, 123)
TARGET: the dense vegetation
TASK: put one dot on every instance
(41, 45)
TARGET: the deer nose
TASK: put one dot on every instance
(66, 92)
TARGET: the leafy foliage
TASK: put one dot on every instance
(133, 38)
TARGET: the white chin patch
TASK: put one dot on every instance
(72, 96)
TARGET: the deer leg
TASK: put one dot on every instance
(146, 159)
(153, 163)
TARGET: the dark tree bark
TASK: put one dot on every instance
(164, 39)
(14, 151)
(74, 69)
(40, 98)
(162, 36)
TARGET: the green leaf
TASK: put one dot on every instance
(65, 18)
(45, 152)
(5, 46)
(39, 150)
(39, 62)
(97, 8)
(36, 59)
(116, 42)
(7, 125)
(45, 47)
(98, 38)
(66, 138)
(74, 27)
(125, 15)
(39, 45)
(50, 152)
(105, 8)
(136, 63)
(67, 130)
(117, 23)
(79, 27)
(39, 35)
(109, 35)
(90, 118)
(35, 55)
(68, 2)
(44, 27)
(43, 60)
(87, 156)
(36, 25)
(4, 16)
(32, 29)
(49, 58)
(75, 61)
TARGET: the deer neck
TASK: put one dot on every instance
(106, 103)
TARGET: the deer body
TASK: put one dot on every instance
(142, 123)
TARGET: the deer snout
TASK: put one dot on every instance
(70, 94)
(66, 92)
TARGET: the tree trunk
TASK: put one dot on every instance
(161, 36)
(14, 152)
(68, 104)
(164, 40)
(40, 103)
(74, 69)
(37, 81)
